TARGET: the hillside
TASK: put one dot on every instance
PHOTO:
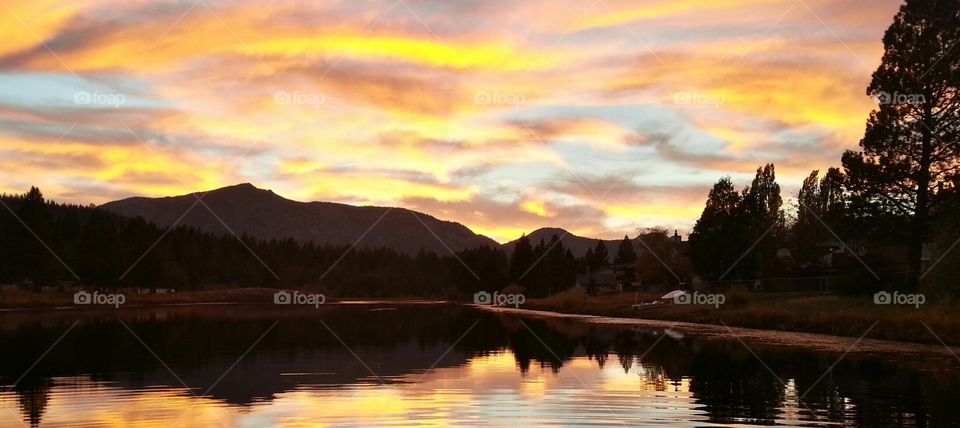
(246, 209)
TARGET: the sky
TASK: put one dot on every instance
(601, 117)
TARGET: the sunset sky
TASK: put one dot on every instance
(600, 117)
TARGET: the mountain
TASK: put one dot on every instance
(578, 245)
(245, 209)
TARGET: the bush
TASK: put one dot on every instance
(737, 298)
(858, 283)
(569, 299)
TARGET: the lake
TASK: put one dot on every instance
(435, 365)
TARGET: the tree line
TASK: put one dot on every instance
(898, 191)
(47, 243)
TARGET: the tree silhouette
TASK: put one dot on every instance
(740, 232)
(625, 261)
(716, 237)
(601, 254)
(597, 257)
(520, 260)
(910, 149)
(763, 221)
(625, 252)
(822, 208)
(31, 257)
(661, 263)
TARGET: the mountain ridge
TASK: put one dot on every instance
(578, 245)
(246, 209)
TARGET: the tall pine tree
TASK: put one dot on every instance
(910, 149)
(717, 239)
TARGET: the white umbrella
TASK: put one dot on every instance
(673, 294)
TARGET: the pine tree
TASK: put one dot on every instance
(521, 260)
(625, 259)
(33, 258)
(910, 148)
(588, 260)
(600, 254)
(717, 240)
(625, 252)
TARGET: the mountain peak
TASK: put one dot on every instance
(549, 230)
(245, 208)
(243, 191)
(242, 187)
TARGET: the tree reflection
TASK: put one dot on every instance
(728, 381)
(33, 394)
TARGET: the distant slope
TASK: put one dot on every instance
(578, 245)
(246, 209)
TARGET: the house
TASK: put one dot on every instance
(599, 282)
(682, 247)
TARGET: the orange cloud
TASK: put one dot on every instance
(500, 57)
(24, 24)
(454, 110)
(663, 9)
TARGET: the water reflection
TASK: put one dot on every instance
(400, 369)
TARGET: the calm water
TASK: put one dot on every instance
(433, 365)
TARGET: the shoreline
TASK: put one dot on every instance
(225, 303)
(817, 341)
(935, 323)
(27, 301)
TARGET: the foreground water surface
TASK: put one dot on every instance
(435, 365)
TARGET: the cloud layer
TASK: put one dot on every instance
(504, 116)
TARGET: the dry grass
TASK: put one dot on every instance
(812, 313)
(571, 299)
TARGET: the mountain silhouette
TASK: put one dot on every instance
(578, 245)
(246, 209)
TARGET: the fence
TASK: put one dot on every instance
(812, 284)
